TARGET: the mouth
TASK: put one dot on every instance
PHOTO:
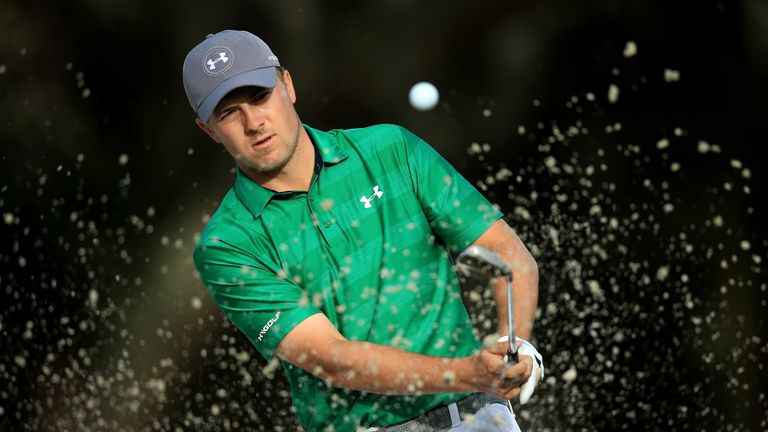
(262, 142)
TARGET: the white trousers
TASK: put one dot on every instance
(493, 417)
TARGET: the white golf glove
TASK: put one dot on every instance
(537, 372)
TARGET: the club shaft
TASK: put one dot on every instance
(512, 356)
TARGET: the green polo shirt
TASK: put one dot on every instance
(367, 245)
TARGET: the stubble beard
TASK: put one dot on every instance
(270, 168)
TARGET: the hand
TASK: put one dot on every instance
(495, 376)
(525, 348)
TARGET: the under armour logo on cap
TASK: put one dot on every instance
(217, 60)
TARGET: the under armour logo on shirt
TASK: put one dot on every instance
(376, 194)
(212, 62)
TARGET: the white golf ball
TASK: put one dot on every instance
(423, 96)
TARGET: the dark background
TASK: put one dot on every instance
(646, 214)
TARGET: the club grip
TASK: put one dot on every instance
(512, 357)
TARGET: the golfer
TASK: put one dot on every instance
(331, 252)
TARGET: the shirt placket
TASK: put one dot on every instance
(323, 217)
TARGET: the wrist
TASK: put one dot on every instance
(464, 370)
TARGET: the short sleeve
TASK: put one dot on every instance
(261, 303)
(457, 212)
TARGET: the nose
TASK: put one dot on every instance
(253, 120)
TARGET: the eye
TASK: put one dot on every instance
(260, 95)
(224, 114)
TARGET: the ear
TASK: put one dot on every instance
(207, 130)
(289, 85)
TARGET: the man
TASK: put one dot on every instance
(331, 253)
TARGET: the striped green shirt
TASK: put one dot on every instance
(367, 245)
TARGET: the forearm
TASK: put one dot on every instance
(382, 369)
(503, 241)
(524, 297)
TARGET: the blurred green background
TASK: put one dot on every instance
(645, 211)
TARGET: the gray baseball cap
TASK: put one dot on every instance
(223, 62)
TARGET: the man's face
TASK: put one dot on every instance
(258, 126)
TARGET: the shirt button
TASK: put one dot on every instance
(311, 197)
(327, 224)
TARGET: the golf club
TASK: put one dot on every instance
(482, 263)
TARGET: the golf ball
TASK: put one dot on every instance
(423, 96)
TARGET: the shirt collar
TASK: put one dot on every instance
(255, 197)
(331, 148)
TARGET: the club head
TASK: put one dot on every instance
(480, 262)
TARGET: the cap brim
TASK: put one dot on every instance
(263, 77)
